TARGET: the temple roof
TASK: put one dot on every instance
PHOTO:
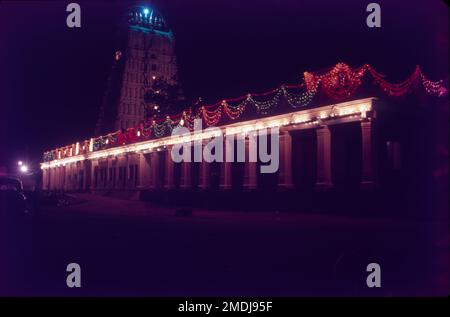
(147, 17)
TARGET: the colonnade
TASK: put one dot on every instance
(156, 170)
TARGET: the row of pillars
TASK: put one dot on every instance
(250, 177)
(55, 177)
(368, 174)
(285, 179)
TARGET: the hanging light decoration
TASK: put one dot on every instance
(301, 100)
(211, 117)
(263, 107)
(435, 88)
(339, 83)
(234, 112)
(395, 90)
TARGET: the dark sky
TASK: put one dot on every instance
(52, 78)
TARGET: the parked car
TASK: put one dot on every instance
(13, 202)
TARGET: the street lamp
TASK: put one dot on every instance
(20, 163)
(23, 168)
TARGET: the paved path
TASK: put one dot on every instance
(134, 248)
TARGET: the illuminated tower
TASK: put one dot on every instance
(147, 53)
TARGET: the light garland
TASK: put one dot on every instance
(159, 130)
(189, 119)
(297, 101)
(263, 107)
(395, 90)
(339, 83)
(234, 112)
(433, 87)
(353, 110)
(211, 118)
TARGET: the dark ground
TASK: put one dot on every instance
(129, 248)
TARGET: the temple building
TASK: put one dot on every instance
(145, 53)
(343, 131)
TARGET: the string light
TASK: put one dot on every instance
(340, 82)
(395, 90)
(302, 100)
(213, 117)
(433, 87)
(310, 117)
(234, 112)
(264, 106)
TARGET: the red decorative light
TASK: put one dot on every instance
(339, 83)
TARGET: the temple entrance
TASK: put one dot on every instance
(304, 158)
(346, 156)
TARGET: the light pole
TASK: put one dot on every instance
(23, 168)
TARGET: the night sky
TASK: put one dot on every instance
(52, 78)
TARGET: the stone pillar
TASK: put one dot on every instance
(56, 178)
(48, 179)
(45, 179)
(108, 182)
(59, 177)
(143, 171)
(368, 173)
(204, 172)
(64, 179)
(323, 180)
(285, 172)
(127, 171)
(53, 178)
(169, 182)
(250, 177)
(225, 168)
(92, 180)
(186, 181)
(154, 166)
(204, 175)
(70, 175)
(100, 179)
(65, 169)
(58, 182)
(87, 167)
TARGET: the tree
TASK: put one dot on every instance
(163, 98)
